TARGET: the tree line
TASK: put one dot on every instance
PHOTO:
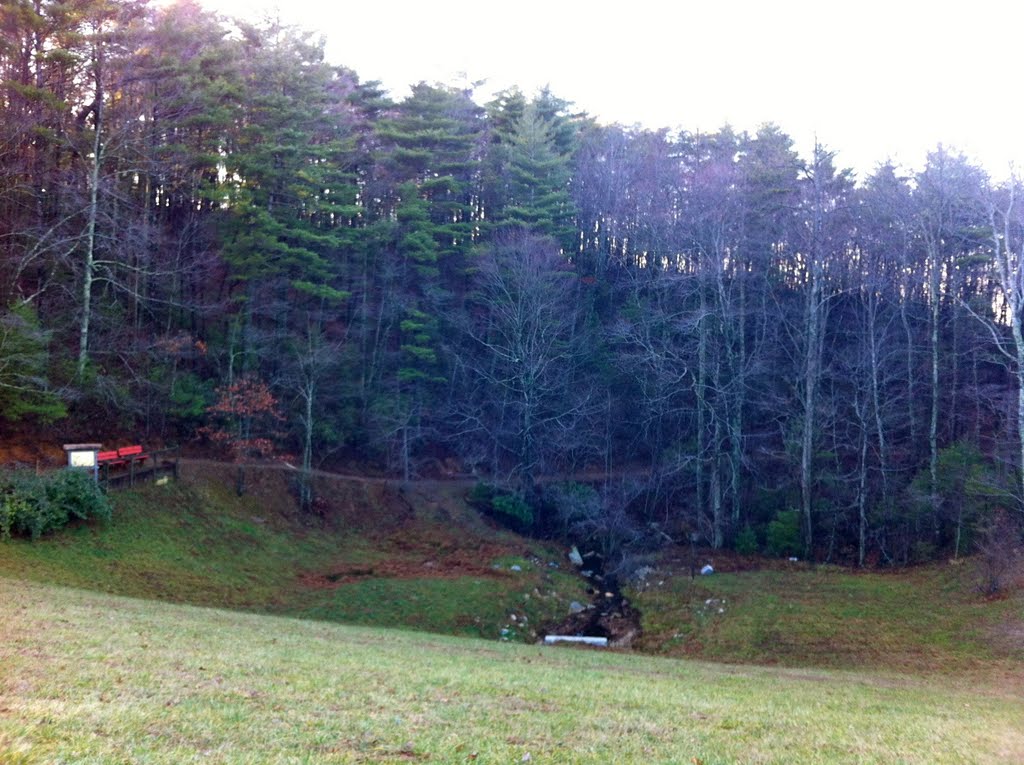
(206, 228)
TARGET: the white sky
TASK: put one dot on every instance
(871, 79)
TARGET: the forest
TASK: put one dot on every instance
(210, 234)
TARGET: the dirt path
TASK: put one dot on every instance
(457, 481)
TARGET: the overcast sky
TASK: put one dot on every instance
(871, 79)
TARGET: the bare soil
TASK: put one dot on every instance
(417, 559)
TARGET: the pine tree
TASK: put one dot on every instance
(529, 167)
(291, 191)
(427, 179)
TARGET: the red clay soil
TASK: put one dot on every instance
(21, 452)
(407, 558)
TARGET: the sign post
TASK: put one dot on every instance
(83, 457)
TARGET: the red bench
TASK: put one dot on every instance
(132, 454)
(121, 457)
(113, 459)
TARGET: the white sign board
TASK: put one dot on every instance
(82, 459)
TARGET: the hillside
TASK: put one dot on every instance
(101, 679)
(378, 555)
(923, 620)
(417, 556)
(881, 667)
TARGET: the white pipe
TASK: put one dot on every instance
(599, 641)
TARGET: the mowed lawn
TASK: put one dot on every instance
(95, 678)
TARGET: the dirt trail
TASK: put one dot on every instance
(457, 481)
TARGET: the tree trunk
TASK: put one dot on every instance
(811, 373)
(933, 427)
(90, 230)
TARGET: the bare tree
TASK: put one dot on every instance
(523, 359)
(1006, 248)
(948, 206)
(999, 553)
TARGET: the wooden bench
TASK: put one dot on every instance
(124, 466)
(110, 459)
(132, 454)
(118, 458)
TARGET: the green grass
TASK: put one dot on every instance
(915, 670)
(928, 619)
(196, 542)
(92, 678)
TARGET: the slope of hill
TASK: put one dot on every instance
(924, 619)
(379, 555)
(920, 668)
(86, 677)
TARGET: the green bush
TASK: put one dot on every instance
(515, 510)
(481, 496)
(746, 541)
(510, 510)
(32, 505)
(783, 537)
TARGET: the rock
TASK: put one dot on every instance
(574, 556)
(576, 607)
(707, 569)
(587, 573)
(643, 572)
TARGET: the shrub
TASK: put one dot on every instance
(481, 496)
(746, 541)
(783, 537)
(514, 509)
(32, 505)
(510, 510)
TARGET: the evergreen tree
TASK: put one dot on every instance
(529, 167)
(427, 169)
(290, 187)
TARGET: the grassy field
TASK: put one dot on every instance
(402, 560)
(93, 678)
(229, 649)
(929, 619)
